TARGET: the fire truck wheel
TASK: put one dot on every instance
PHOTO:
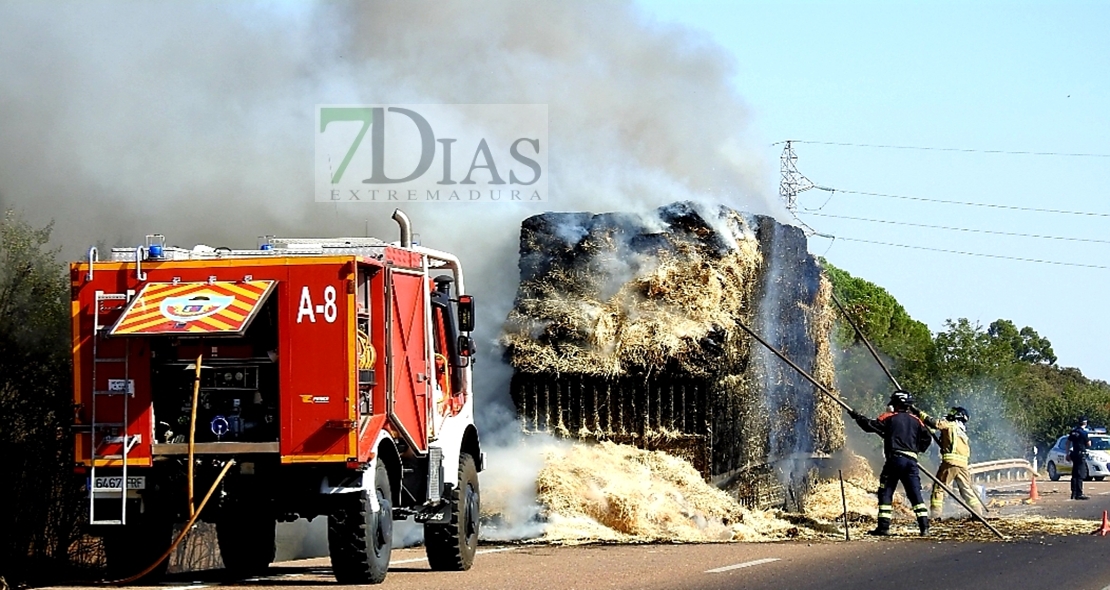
(360, 540)
(130, 549)
(451, 547)
(247, 540)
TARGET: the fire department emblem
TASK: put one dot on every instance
(194, 307)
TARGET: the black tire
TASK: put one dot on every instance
(360, 541)
(1052, 473)
(130, 549)
(1099, 477)
(246, 537)
(451, 547)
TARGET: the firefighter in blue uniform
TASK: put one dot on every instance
(1078, 441)
(904, 436)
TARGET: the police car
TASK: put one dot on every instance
(1098, 456)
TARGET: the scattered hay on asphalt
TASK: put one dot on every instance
(610, 492)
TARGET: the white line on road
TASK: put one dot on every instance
(741, 565)
(482, 552)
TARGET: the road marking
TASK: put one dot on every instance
(1103, 494)
(742, 565)
(482, 552)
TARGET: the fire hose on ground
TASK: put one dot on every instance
(194, 510)
(848, 409)
(184, 530)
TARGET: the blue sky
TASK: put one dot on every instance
(991, 76)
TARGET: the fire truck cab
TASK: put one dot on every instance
(304, 378)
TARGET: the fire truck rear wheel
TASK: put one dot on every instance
(130, 549)
(360, 540)
(247, 540)
(451, 547)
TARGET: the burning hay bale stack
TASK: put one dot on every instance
(626, 329)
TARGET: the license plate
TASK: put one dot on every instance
(135, 482)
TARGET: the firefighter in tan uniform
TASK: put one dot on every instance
(955, 450)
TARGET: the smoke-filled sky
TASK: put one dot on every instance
(195, 120)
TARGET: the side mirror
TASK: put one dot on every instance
(466, 346)
(466, 314)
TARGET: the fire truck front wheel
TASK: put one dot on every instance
(451, 547)
(360, 539)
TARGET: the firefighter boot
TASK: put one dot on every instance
(923, 525)
(882, 529)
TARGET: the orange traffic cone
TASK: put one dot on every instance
(1033, 495)
(1105, 528)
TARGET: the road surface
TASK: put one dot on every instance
(903, 563)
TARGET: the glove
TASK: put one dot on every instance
(856, 415)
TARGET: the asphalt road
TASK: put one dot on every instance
(1074, 563)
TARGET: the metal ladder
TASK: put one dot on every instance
(97, 427)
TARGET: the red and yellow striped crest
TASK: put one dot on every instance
(221, 308)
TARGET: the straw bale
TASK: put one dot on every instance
(564, 323)
(828, 422)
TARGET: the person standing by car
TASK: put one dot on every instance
(1078, 442)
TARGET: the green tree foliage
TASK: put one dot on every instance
(39, 520)
(1007, 377)
(1027, 345)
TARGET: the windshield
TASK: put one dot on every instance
(1100, 443)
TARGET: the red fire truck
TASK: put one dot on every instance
(321, 377)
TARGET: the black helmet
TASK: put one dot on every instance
(958, 413)
(901, 399)
(1082, 421)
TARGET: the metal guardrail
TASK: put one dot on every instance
(1010, 469)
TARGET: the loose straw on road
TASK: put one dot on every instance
(848, 408)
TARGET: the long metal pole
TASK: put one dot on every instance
(874, 353)
(844, 502)
(866, 342)
(847, 408)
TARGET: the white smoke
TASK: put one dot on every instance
(195, 120)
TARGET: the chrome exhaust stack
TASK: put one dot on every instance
(406, 227)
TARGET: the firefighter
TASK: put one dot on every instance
(1078, 441)
(955, 451)
(904, 436)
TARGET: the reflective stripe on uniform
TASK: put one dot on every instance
(886, 510)
(921, 510)
(954, 458)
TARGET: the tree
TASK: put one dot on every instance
(39, 520)
(1027, 345)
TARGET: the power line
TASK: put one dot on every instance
(949, 149)
(964, 253)
(971, 204)
(963, 229)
